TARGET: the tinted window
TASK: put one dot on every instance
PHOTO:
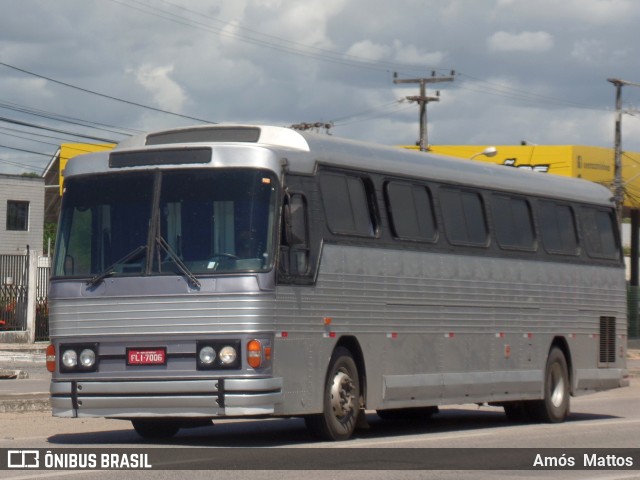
(411, 211)
(558, 228)
(464, 218)
(17, 216)
(513, 223)
(346, 205)
(213, 220)
(599, 232)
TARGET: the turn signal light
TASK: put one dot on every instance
(254, 353)
(51, 358)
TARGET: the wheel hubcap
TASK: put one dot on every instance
(557, 386)
(342, 395)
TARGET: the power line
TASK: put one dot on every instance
(25, 151)
(260, 39)
(42, 135)
(67, 119)
(371, 116)
(498, 89)
(27, 138)
(85, 90)
(24, 166)
(366, 112)
(65, 132)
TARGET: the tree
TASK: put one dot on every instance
(50, 230)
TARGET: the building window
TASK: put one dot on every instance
(17, 216)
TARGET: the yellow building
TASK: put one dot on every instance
(54, 175)
(70, 150)
(590, 163)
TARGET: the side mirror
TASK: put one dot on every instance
(295, 222)
(294, 251)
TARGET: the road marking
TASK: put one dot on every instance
(426, 436)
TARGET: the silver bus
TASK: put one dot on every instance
(255, 271)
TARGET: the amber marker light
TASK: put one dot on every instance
(51, 358)
(254, 353)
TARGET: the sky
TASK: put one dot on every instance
(524, 70)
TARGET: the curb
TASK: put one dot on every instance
(23, 403)
(13, 374)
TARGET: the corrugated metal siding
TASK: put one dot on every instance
(373, 290)
(142, 315)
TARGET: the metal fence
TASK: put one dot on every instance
(42, 309)
(15, 300)
(14, 289)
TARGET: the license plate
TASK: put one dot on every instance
(146, 356)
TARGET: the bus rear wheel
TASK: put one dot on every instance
(554, 407)
(155, 428)
(341, 404)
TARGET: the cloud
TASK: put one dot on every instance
(413, 55)
(165, 91)
(596, 52)
(534, 70)
(369, 49)
(397, 51)
(534, 42)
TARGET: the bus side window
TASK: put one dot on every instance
(600, 232)
(295, 236)
(349, 204)
(558, 228)
(464, 217)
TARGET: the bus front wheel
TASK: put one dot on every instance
(554, 407)
(341, 403)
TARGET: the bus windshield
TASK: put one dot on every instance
(167, 222)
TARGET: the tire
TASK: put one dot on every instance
(341, 402)
(155, 428)
(554, 407)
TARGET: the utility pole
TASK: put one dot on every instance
(423, 99)
(618, 194)
(618, 188)
(633, 328)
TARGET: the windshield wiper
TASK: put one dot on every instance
(110, 270)
(155, 236)
(162, 243)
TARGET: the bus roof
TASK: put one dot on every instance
(305, 151)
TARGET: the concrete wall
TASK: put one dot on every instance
(25, 189)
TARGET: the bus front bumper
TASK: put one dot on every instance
(166, 398)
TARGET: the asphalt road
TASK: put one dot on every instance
(608, 420)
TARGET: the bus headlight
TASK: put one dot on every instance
(79, 358)
(228, 355)
(207, 355)
(87, 358)
(70, 359)
(218, 354)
